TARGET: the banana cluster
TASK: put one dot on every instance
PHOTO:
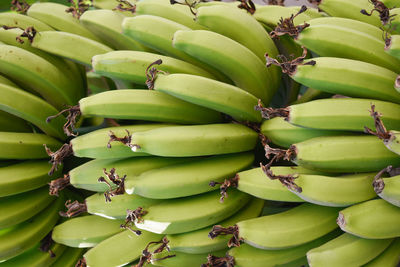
(192, 133)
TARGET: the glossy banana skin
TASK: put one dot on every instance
(11, 19)
(131, 65)
(146, 105)
(106, 25)
(85, 231)
(197, 242)
(196, 140)
(188, 178)
(344, 154)
(64, 44)
(391, 190)
(24, 176)
(248, 256)
(288, 229)
(347, 114)
(237, 62)
(85, 176)
(175, 216)
(284, 134)
(209, 93)
(389, 257)
(358, 79)
(374, 219)
(347, 250)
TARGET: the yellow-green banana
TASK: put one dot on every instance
(390, 257)
(11, 123)
(70, 257)
(388, 189)
(11, 19)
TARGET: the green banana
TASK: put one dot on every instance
(25, 145)
(175, 216)
(389, 189)
(284, 134)
(209, 93)
(374, 219)
(237, 62)
(18, 208)
(181, 259)
(85, 231)
(194, 140)
(197, 242)
(270, 15)
(64, 44)
(248, 256)
(347, 114)
(107, 25)
(119, 249)
(55, 15)
(390, 3)
(11, 123)
(188, 178)
(357, 78)
(69, 258)
(354, 43)
(394, 20)
(346, 250)
(86, 175)
(32, 109)
(24, 176)
(132, 65)
(390, 257)
(392, 46)
(17, 239)
(161, 8)
(37, 74)
(11, 19)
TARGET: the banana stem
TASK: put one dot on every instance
(55, 186)
(73, 209)
(116, 180)
(232, 182)
(58, 156)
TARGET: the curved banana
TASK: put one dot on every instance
(389, 257)
(237, 62)
(17, 239)
(182, 259)
(197, 242)
(55, 15)
(393, 46)
(175, 216)
(119, 249)
(11, 19)
(215, 95)
(248, 256)
(188, 178)
(107, 25)
(374, 219)
(25, 145)
(37, 74)
(389, 189)
(346, 250)
(131, 65)
(24, 176)
(269, 15)
(194, 140)
(284, 134)
(85, 231)
(69, 257)
(11, 123)
(64, 44)
(21, 207)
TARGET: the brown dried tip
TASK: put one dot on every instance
(81, 263)
(289, 66)
(20, 6)
(29, 33)
(378, 182)
(314, 2)
(214, 261)
(58, 156)
(147, 256)
(192, 5)
(286, 26)
(125, 5)
(73, 209)
(286, 180)
(232, 182)
(381, 131)
(116, 180)
(73, 113)
(397, 82)
(276, 2)
(133, 216)
(46, 243)
(77, 9)
(384, 12)
(59, 184)
(269, 113)
(126, 140)
(247, 5)
(151, 73)
(218, 230)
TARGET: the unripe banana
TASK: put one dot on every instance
(11, 19)
(237, 62)
(389, 189)
(393, 46)
(270, 15)
(374, 219)
(346, 250)
(69, 258)
(131, 65)
(182, 259)
(11, 123)
(85, 231)
(390, 257)
(209, 93)
(197, 242)
(284, 134)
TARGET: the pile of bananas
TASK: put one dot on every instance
(192, 133)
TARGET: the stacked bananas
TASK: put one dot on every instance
(200, 134)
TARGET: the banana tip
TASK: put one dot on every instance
(341, 220)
